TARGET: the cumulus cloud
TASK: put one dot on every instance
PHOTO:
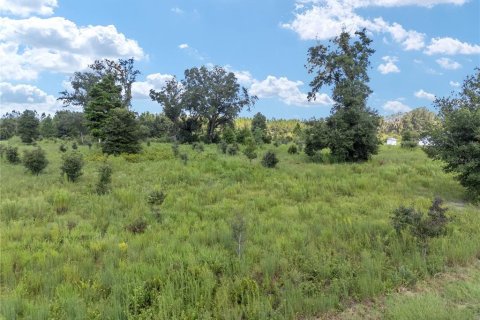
(183, 46)
(389, 66)
(421, 94)
(325, 19)
(24, 96)
(450, 46)
(56, 44)
(25, 8)
(396, 106)
(448, 64)
(287, 91)
(141, 89)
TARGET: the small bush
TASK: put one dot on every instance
(72, 166)
(11, 154)
(223, 146)
(35, 160)
(421, 227)
(293, 149)
(104, 179)
(184, 158)
(137, 226)
(239, 228)
(62, 148)
(270, 159)
(156, 198)
(250, 149)
(233, 149)
(2, 150)
(198, 146)
(176, 149)
(409, 139)
(74, 146)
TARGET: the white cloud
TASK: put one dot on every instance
(454, 84)
(177, 10)
(25, 8)
(448, 64)
(421, 94)
(396, 106)
(30, 46)
(450, 46)
(399, 3)
(287, 91)
(389, 66)
(326, 19)
(23, 96)
(141, 89)
(183, 46)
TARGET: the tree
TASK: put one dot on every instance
(28, 124)
(214, 96)
(103, 97)
(35, 160)
(259, 127)
(456, 140)
(352, 127)
(120, 132)
(170, 97)
(82, 83)
(8, 125)
(70, 124)
(409, 139)
(316, 137)
(47, 127)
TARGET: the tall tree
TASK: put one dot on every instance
(456, 140)
(70, 124)
(214, 96)
(103, 97)
(123, 71)
(47, 127)
(352, 134)
(8, 125)
(28, 124)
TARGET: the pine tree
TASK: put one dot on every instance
(120, 132)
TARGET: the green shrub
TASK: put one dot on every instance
(156, 198)
(198, 146)
(223, 146)
(62, 148)
(35, 160)
(409, 139)
(137, 226)
(293, 149)
(72, 166)
(11, 154)
(270, 159)
(176, 149)
(239, 228)
(74, 146)
(233, 149)
(184, 158)
(104, 179)
(250, 149)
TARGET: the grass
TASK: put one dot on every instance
(317, 236)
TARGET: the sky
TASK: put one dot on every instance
(424, 48)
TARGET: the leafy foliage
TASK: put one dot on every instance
(11, 154)
(72, 166)
(292, 149)
(120, 132)
(104, 179)
(250, 149)
(409, 139)
(28, 126)
(270, 159)
(35, 160)
(456, 141)
(351, 131)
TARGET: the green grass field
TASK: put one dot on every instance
(318, 236)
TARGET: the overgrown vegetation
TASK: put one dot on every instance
(35, 160)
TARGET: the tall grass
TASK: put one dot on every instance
(318, 236)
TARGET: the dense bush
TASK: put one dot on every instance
(62, 148)
(72, 166)
(11, 154)
(409, 139)
(137, 226)
(250, 148)
(28, 126)
(176, 149)
(233, 149)
(74, 146)
(198, 146)
(229, 135)
(184, 158)
(35, 160)
(270, 159)
(421, 227)
(156, 198)
(223, 146)
(104, 179)
(120, 132)
(293, 149)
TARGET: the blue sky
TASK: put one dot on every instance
(423, 48)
